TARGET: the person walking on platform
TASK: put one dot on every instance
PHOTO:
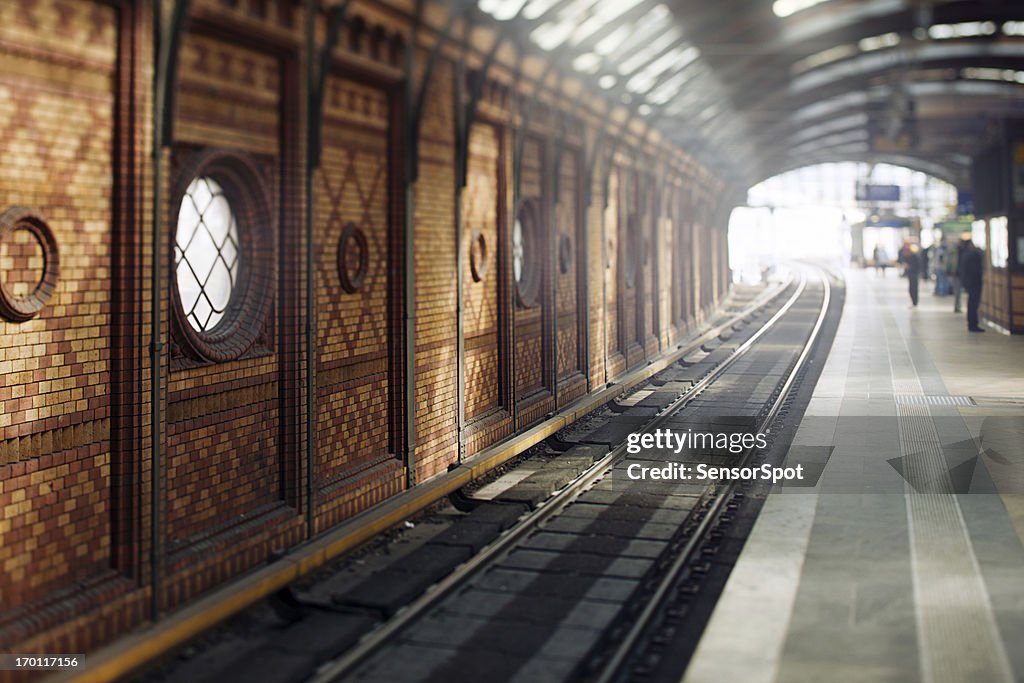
(941, 276)
(970, 271)
(953, 272)
(952, 268)
(910, 257)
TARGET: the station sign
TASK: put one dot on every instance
(867, 192)
(964, 203)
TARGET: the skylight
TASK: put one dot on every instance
(879, 42)
(635, 48)
(1013, 28)
(966, 29)
(990, 74)
(502, 10)
(784, 8)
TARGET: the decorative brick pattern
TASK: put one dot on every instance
(353, 335)
(532, 324)
(568, 303)
(229, 95)
(480, 212)
(436, 294)
(223, 465)
(615, 359)
(57, 90)
(75, 432)
(648, 250)
(630, 272)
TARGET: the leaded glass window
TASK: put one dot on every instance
(206, 253)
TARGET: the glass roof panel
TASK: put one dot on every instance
(648, 52)
(653, 24)
(964, 29)
(669, 89)
(502, 10)
(551, 34)
(611, 43)
(990, 74)
(587, 63)
(535, 9)
(784, 8)
(878, 42)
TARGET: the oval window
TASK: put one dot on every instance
(223, 256)
(518, 251)
(206, 254)
(527, 240)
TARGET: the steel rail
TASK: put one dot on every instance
(626, 646)
(335, 670)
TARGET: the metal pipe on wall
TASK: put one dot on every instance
(312, 155)
(155, 347)
(462, 156)
(409, 129)
(166, 52)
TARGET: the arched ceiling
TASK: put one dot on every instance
(755, 87)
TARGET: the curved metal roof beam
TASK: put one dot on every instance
(828, 95)
(835, 106)
(883, 60)
(901, 15)
(999, 99)
(768, 69)
(827, 18)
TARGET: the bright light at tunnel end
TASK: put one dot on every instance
(813, 213)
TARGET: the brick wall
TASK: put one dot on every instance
(75, 432)
(570, 269)
(58, 90)
(223, 477)
(357, 352)
(437, 438)
(631, 301)
(649, 249)
(480, 327)
(533, 317)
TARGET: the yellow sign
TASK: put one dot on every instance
(884, 143)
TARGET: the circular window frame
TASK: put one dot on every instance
(352, 232)
(244, 318)
(565, 256)
(22, 309)
(529, 284)
(479, 260)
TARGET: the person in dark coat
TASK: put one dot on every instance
(970, 269)
(953, 272)
(910, 257)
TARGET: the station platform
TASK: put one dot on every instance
(900, 555)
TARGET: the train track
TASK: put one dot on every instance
(615, 665)
(610, 655)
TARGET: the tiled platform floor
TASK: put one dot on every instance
(902, 558)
